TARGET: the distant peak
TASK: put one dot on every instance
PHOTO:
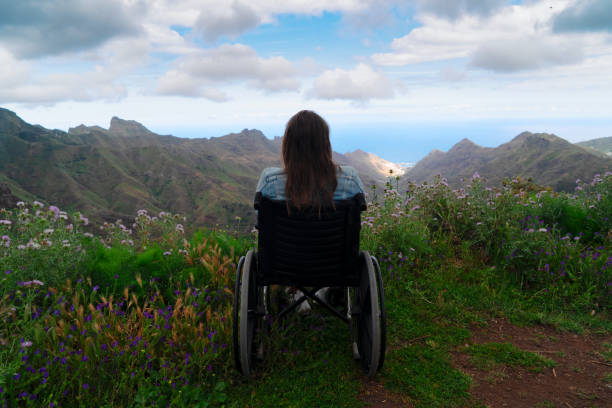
(526, 136)
(251, 132)
(123, 127)
(466, 142)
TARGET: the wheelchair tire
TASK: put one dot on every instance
(235, 314)
(369, 334)
(383, 314)
(247, 313)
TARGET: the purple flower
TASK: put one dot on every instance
(56, 212)
(86, 386)
(95, 288)
(8, 271)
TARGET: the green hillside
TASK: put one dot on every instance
(546, 159)
(603, 144)
(112, 173)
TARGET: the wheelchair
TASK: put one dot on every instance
(310, 251)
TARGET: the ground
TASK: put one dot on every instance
(579, 375)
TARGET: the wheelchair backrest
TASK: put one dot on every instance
(308, 248)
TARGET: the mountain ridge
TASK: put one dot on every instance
(111, 173)
(545, 158)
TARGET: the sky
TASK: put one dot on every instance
(395, 78)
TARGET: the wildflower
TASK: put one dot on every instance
(48, 231)
(32, 282)
(86, 386)
(20, 204)
(543, 230)
(38, 204)
(55, 211)
(167, 253)
(95, 288)
(476, 176)
(26, 343)
(180, 228)
(7, 240)
(5, 222)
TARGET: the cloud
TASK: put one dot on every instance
(215, 22)
(193, 75)
(454, 9)
(527, 53)
(511, 39)
(586, 15)
(437, 39)
(360, 84)
(47, 90)
(32, 28)
(451, 74)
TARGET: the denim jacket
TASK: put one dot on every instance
(272, 183)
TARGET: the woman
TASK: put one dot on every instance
(310, 179)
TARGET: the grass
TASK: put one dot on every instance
(489, 355)
(141, 315)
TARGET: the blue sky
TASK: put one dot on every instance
(396, 78)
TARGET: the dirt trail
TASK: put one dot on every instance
(577, 380)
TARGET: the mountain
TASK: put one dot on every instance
(111, 173)
(603, 145)
(547, 159)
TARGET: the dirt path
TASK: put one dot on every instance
(577, 380)
(375, 395)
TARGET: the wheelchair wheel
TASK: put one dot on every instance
(383, 314)
(367, 307)
(235, 314)
(246, 305)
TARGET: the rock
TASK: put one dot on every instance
(7, 199)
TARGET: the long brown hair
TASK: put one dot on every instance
(307, 157)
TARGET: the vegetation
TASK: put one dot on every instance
(140, 315)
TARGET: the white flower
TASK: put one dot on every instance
(38, 204)
(543, 230)
(26, 343)
(20, 204)
(48, 231)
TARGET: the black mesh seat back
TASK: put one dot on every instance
(309, 248)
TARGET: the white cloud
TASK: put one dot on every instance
(360, 84)
(454, 9)
(31, 28)
(585, 15)
(514, 38)
(451, 74)
(225, 64)
(214, 22)
(47, 90)
(529, 52)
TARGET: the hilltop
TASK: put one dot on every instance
(545, 158)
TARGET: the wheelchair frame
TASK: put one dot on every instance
(310, 251)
